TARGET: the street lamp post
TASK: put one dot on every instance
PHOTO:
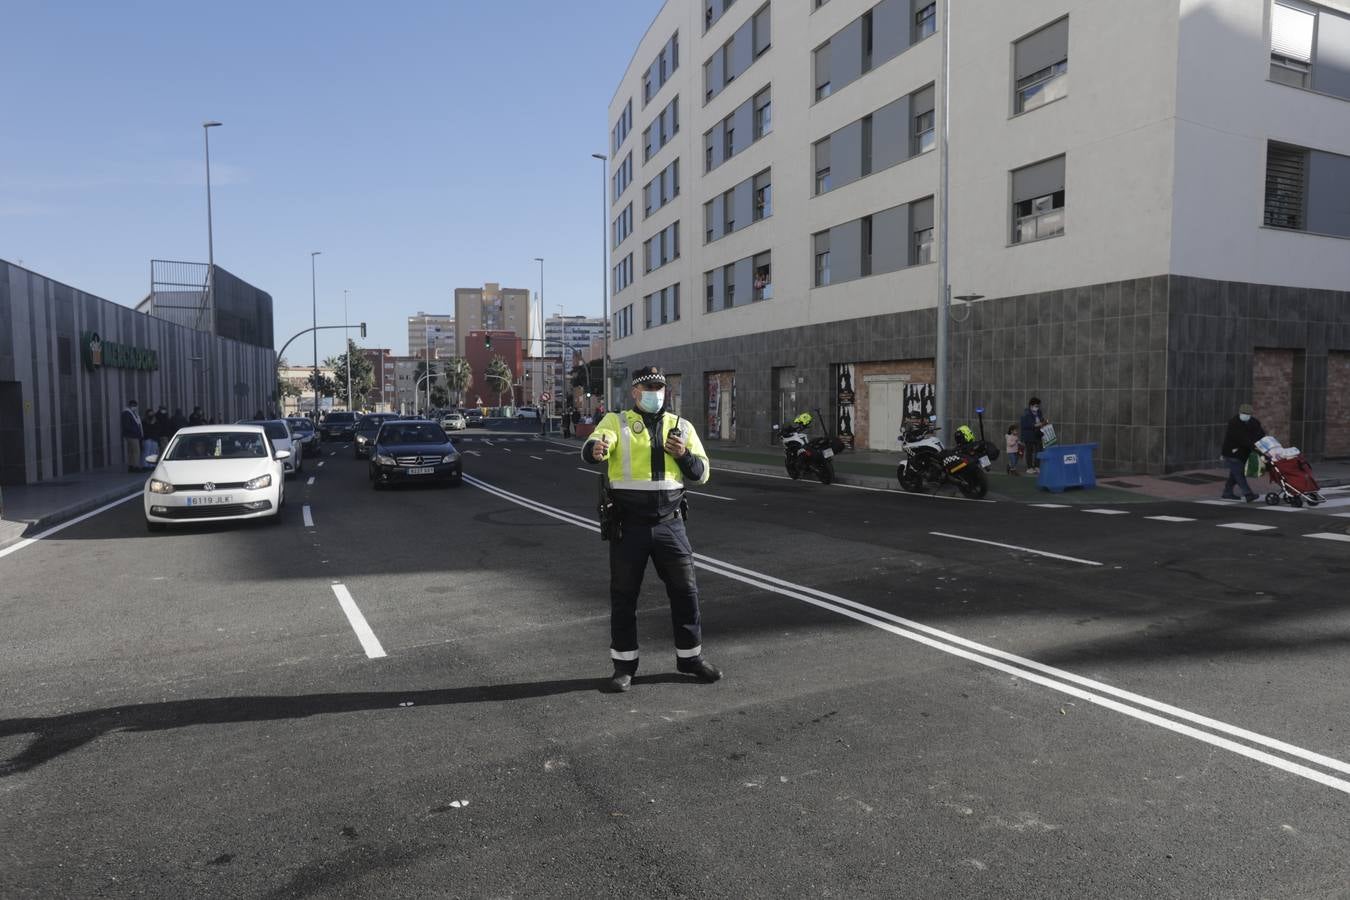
(604, 264)
(347, 353)
(539, 382)
(210, 237)
(314, 311)
(967, 299)
(944, 279)
(426, 336)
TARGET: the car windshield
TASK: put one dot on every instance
(371, 423)
(340, 418)
(301, 425)
(275, 430)
(412, 433)
(218, 445)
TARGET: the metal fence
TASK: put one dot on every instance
(178, 293)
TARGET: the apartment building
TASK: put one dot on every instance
(1148, 215)
(431, 330)
(492, 308)
(576, 331)
(384, 391)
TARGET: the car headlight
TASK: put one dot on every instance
(160, 487)
(261, 481)
(362, 439)
(384, 460)
(449, 458)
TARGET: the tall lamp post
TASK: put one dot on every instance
(314, 311)
(210, 238)
(347, 352)
(539, 381)
(967, 299)
(604, 263)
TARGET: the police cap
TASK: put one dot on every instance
(649, 376)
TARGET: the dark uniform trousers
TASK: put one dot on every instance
(667, 546)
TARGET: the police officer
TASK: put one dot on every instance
(649, 456)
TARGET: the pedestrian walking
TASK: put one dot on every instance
(133, 432)
(178, 421)
(649, 455)
(198, 417)
(163, 428)
(1030, 426)
(1239, 442)
(1013, 446)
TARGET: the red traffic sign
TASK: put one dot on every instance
(546, 396)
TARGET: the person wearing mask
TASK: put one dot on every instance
(1030, 426)
(1239, 441)
(198, 417)
(163, 428)
(649, 456)
(133, 432)
(178, 421)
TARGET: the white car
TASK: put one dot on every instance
(454, 422)
(280, 434)
(216, 473)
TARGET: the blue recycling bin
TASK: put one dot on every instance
(1066, 466)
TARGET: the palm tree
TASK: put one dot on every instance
(500, 377)
(458, 377)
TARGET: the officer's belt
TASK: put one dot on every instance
(636, 519)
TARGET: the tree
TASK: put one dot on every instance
(458, 377)
(439, 398)
(499, 377)
(325, 385)
(363, 374)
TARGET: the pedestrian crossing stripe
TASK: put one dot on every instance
(1169, 518)
(1329, 536)
(1247, 526)
(1108, 512)
(1051, 505)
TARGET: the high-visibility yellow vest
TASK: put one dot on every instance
(630, 451)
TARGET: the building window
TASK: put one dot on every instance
(763, 188)
(925, 22)
(728, 139)
(728, 287)
(708, 152)
(1292, 29)
(729, 211)
(867, 41)
(921, 232)
(709, 286)
(1041, 67)
(760, 31)
(763, 285)
(822, 249)
(763, 114)
(923, 246)
(1038, 201)
(865, 167)
(865, 246)
(822, 68)
(623, 322)
(923, 132)
(1286, 180)
(822, 165)
(709, 222)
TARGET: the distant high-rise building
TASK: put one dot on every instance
(385, 390)
(492, 308)
(577, 331)
(434, 329)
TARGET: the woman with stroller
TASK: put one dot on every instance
(1239, 442)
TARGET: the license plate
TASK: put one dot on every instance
(984, 462)
(423, 470)
(827, 453)
(213, 500)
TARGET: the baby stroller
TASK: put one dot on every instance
(1290, 473)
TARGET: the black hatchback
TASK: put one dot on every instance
(407, 450)
(364, 436)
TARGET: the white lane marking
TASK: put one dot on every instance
(1220, 502)
(474, 452)
(588, 471)
(309, 517)
(857, 487)
(369, 642)
(1052, 505)
(489, 443)
(507, 449)
(1329, 536)
(560, 452)
(1108, 512)
(1018, 666)
(957, 537)
(540, 458)
(1342, 515)
(333, 453)
(16, 547)
(311, 480)
(1168, 519)
(320, 465)
(714, 496)
(1247, 526)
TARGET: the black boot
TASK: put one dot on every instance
(620, 682)
(700, 668)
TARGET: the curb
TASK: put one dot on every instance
(64, 514)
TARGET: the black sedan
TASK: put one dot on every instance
(338, 426)
(406, 450)
(364, 437)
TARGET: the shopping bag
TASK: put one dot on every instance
(149, 447)
(1253, 464)
(1048, 436)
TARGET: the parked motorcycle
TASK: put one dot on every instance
(928, 464)
(803, 454)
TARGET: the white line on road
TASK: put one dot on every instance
(714, 496)
(369, 642)
(309, 517)
(957, 537)
(1059, 680)
(311, 480)
(1330, 536)
(320, 465)
(507, 449)
(1108, 512)
(540, 458)
(1168, 519)
(1220, 502)
(474, 452)
(15, 548)
(1052, 505)
(1247, 526)
(858, 487)
(588, 471)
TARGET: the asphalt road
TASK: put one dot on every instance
(1111, 704)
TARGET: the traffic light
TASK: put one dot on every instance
(487, 341)
(363, 329)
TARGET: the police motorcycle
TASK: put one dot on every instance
(927, 463)
(805, 455)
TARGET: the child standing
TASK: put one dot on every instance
(1013, 446)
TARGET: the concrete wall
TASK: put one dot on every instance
(71, 416)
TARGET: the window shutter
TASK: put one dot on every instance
(1038, 180)
(1291, 32)
(1044, 48)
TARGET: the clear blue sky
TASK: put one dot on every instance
(420, 145)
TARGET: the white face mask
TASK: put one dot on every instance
(1244, 417)
(651, 401)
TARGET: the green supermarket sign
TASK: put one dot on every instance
(99, 353)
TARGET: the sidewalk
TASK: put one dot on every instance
(27, 509)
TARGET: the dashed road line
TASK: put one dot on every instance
(540, 458)
(321, 465)
(311, 481)
(1330, 536)
(588, 471)
(714, 496)
(1108, 512)
(309, 517)
(1246, 526)
(369, 642)
(1052, 505)
(1046, 553)
(1169, 519)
